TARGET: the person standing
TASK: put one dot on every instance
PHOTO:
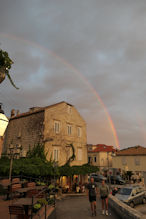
(104, 192)
(91, 193)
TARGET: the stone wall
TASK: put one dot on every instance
(25, 131)
(61, 140)
(123, 210)
(128, 163)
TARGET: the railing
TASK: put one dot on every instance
(46, 196)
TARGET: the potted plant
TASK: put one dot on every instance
(5, 66)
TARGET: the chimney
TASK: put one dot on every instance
(17, 112)
(12, 112)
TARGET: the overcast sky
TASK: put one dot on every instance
(65, 50)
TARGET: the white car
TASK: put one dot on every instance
(132, 195)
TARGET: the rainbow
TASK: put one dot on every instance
(82, 77)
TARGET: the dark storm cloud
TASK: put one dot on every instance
(104, 40)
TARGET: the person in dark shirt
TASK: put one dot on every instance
(91, 192)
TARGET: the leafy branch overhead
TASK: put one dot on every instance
(5, 66)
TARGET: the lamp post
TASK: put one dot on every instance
(14, 151)
(3, 121)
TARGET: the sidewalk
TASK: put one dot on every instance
(78, 207)
(4, 208)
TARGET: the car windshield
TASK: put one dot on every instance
(125, 191)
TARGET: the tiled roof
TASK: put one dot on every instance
(132, 151)
(102, 148)
(40, 109)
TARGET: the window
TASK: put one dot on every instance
(125, 191)
(57, 126)
(56, 154)
(137, 161)
(79, 131)
(69, 129)
(89, 159)
(95, 159)
(69, 109)
(124, 161)
(79, 154)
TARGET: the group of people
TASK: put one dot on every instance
(92, 192)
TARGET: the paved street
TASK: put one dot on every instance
(79, 208)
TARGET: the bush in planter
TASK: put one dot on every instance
(39, 204)
(36, 207)
(51, 199)
(42, 201)
(5, 66)
(51, 187)
(38, 183)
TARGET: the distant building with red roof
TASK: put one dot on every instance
(100, 155)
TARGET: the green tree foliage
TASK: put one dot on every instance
(67, 170)
(36, 165)
(4, 166)
(5, 65)
(38, 151)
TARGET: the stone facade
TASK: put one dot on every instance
(57, 126)
(131, 159)
(100, 155)
(71, 130)
(25, 130)
(124, 211)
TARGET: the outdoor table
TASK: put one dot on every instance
(26, 203)
(9, 184)
(25, 190)
(8, 187)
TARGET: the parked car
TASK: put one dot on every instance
(98, 178)
(117, 180)
(132, 195)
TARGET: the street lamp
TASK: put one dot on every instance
(3, 122)
(14, 152)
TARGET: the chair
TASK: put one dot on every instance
(15, 180)
(17, 210)
(30, 184)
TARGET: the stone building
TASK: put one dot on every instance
(57, 126)
(100, 155)
(131, 159)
